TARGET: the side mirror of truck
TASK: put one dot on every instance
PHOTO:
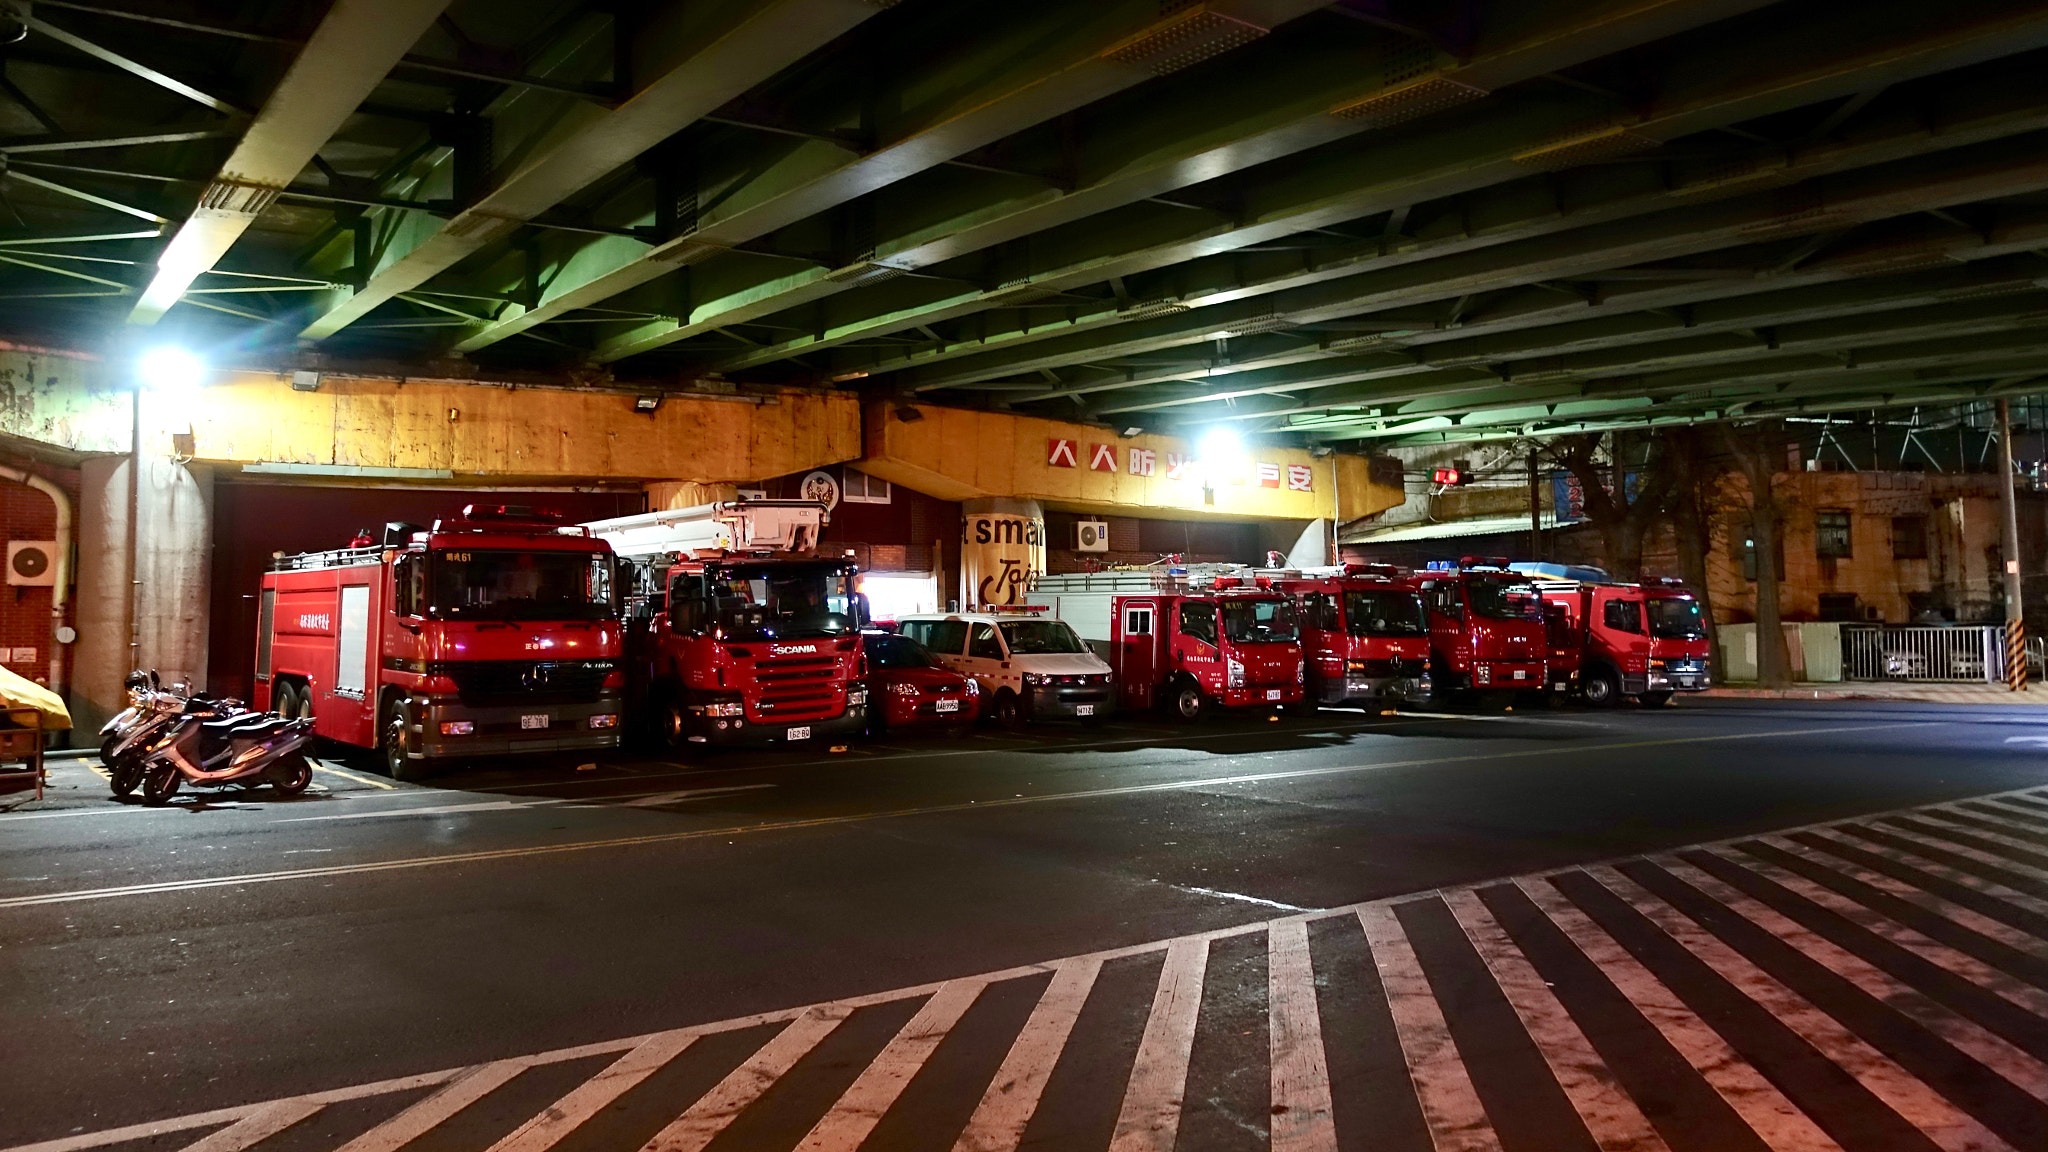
(863, 615)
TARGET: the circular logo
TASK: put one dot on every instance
(537, 677)
(822, 487)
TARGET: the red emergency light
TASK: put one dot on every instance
(1447, 476)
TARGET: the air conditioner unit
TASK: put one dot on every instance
(32, 562)
(1091, 536)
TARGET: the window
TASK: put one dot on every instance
(1673, 618)
(1622, 615)
(945, 637)
(1138, 621)
(1385, 614)
(1840, 606)
(861, 488)
(1909, 537)
(1442, 598)
(1198, 620)
(1504, 598)
(266, 615)
(1260, 621)
(1042, 638)
(1831, 534)
(985, 646)
(409, 585)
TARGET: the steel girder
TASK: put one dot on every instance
(348, 55)
(1002, 84)
(1721, 84)
(691, 59)
(1305, 98)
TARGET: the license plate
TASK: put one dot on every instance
(945, 705)
(1521, 673)
(803, 733)
(1272, 693)
(1084, 709)
(531, 721)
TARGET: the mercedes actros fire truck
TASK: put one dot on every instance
(492, 633)
(737, 630)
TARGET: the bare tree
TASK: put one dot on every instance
(1624, 524)
(1697, 470)
(1758, 451)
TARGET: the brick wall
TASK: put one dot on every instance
(26, 514)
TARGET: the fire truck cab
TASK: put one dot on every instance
(1364, 637)
(1232, 646)
(1486, 628)
(737, 631)
(1641, 641)
(492, 633)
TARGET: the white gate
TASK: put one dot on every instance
(1952, 653)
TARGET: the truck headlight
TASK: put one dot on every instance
(605, 720)
(857, 697)
(1233, 673)
(734, 708)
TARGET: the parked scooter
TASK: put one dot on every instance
(125, 741)
(246, 750)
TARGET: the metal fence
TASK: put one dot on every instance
(1972, 653)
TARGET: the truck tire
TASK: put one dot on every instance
(302, 702)
(397, 741)
(1600, 688)
(1654, 699)
(1187, 702)
(283, 700)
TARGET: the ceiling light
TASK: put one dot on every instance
(1133, 430)
(646, 403)
(169, 368)
(1220, 444)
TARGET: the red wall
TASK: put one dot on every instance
(26, 514)
(250, 521)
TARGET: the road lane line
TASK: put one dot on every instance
(595, 1094)
(660, 798)
(255, 1127)
(887, 814)
(860, 1107)
(1993, 1051)
(2019, 993)
(1451, 1109)
(1302, 1116)
(1775, 1119)
(358, 777)
(743, 1085)
(1012, 1097)
(1150, 1117)
(2018, 939)
(1609, 1113)
(1912, 1099)
(410, 1124)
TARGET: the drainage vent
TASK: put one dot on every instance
(1409, 102)
(1576, 150)
(1189, 38)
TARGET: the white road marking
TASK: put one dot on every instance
(358, 777)
(453, 1097)
(1241, 898)
(1012, 1097)
(595, 1094)
(2037, 741)
(1969, 918)
(257, 1126)
(1150, 1117)
(743, 1085)
(1303, 1119)
(1910, 1098)
(660, 798)
(1610, 1115)
(1456, 1119)
(887, 814)
(860, 1107)
(1776, 1120)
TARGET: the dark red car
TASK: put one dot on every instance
(907, 688)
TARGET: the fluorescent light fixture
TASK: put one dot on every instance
(169, 368)
(305, 380)
(1133, 430)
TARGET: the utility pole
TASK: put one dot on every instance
(1535, 509)
(2015, 625)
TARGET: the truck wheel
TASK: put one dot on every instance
(1008, 711)
(1654, 699)
(397, 741)
(1189, 705)
(1600, 689)
(283, 700)
(302, 702)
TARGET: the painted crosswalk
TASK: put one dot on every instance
(1871, 984)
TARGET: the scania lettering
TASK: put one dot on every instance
(491, 633)
(737, 631)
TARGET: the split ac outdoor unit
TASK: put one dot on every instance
(1091, 536)
(32, 562)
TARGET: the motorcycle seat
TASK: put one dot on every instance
(243, 725)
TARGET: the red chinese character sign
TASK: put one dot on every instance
(1060, 454)
(1180, 466)
(1300, 478)
(1101, 458)
(1269, 475)
(1143, 461)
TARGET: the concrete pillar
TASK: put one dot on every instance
(173, 573)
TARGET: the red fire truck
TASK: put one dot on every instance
(1232, 646)
(1364, 636)
(1643, 641)
(1486, 629)
(492, 633)
(737, 631)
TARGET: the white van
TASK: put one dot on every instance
(1029, 667)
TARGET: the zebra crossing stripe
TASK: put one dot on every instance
(1914, 1102)
(1606, 1109)
(2003, 931)
(259, 1125)
(1150, 1117)
(593, 1095)
(1776, 1120)
(1450, 1104)
(458, 1094)
(860, 1108)
(1303, 1119)
(709, 1116)
(1012, 1097)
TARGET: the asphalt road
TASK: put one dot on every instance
(239, 949)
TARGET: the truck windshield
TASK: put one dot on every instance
(508, 585)
(1674, 619)
(753, 602)
(1258, 621)
(1384, 614)
(1503, 598)
(1041, 638)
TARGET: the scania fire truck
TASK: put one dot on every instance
(737, 630)
(1364, 637)
(1233, 646)
(1486, 629)
(495, 632)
